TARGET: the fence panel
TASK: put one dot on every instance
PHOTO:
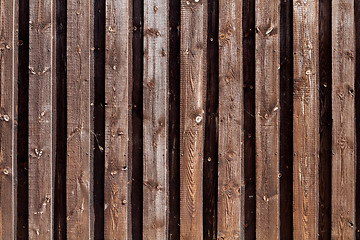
(191, 119)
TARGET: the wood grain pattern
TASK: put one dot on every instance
(306, 120)
(117, 78)
(156, 120)
(80, 127)
(8, 116)
(193, 87)
(267, 85)
(231, 162)
(343, 109)
(41, 118)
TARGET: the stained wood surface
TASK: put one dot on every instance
(117, 78)
(306, 120)
(8, 116)
(193, 79)
(343, 115)
(191, 119)
(267, 57)
(231, 162)
(79, 119)
(156, 120)
(41, 120)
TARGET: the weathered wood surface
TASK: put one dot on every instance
(8, 116)
(79, 119)
(41, 118)
(231, 162)
(198, 131)
(267, 57)
(193, 79)
(117, 80)
(156, 120)
(343, 112)
(306, 120)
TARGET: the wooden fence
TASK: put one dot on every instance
(191, 119)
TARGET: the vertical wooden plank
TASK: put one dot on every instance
(286, 119)
(155, 125)
(248, 72)
(79, 119)
(343, 109)
(267, 57)
(174, 120)
(306, 120)
(325, 121)
(136, 126)
(8, 116)
(211, 126)
(231, 162)
(117, 79)
(193, 79)
(41, 118)
(22, 196)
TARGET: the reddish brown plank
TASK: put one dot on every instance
(79, 119)
(343, 115)
(231, 162)
(8, 116)
(117, 80)
(193, 87)
(267, 56)
(306, 120)
(156, 120)
(41, 118)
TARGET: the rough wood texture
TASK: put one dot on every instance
(41, 118)
(343, 108)
(231, 162)
(306, 120)
(156, 120)
(8, 116)
(193, 84)
(79, 130)
(267, 57)
(117, 78)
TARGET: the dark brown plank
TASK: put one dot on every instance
(248, 20)
(286, 119)
(325, 123)
(174, 120)
(306, 120)
(156, 121)
(41, 118)
(210, 167)
(136, 126)
(231, 161)
(343, 114)
(61, 118)
(117, 78)
(8, 116)
(267, 118)
(79, 118)
(22, 207)
(193, 79)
